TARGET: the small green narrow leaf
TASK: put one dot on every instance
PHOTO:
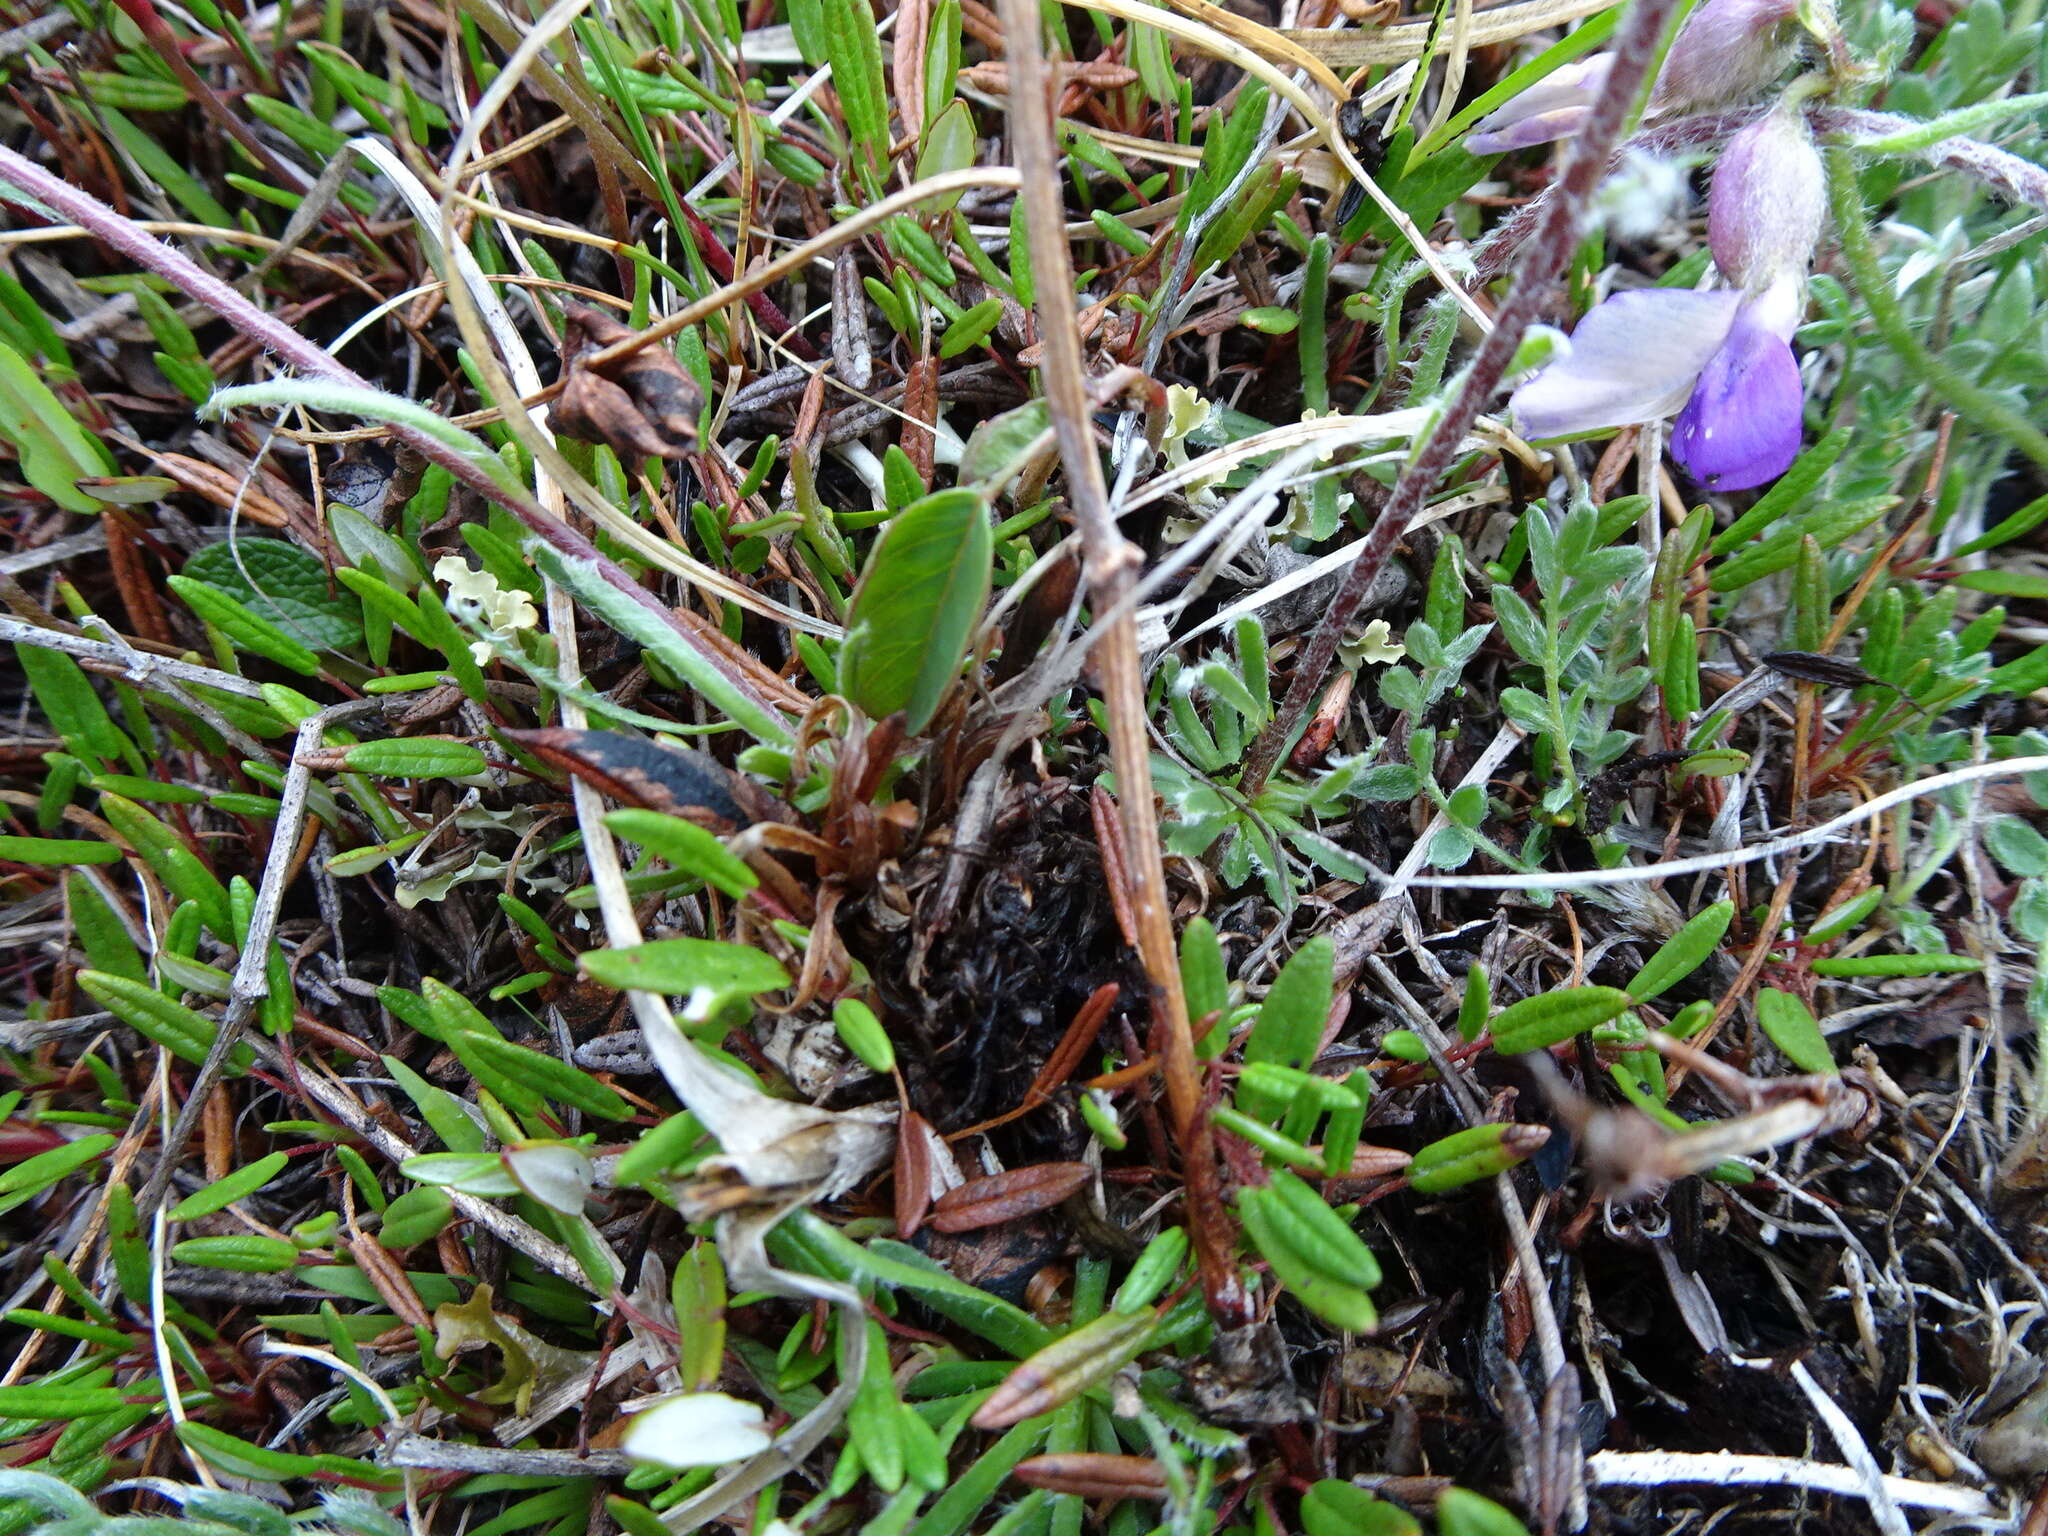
(971, 329)
(687, 846)
(416, 757)
(239, 1458)
(1476, 1005)
(1290, 1023)
(703, 970)
(1897, 965)
(916, 605)
(1683, 953)
(439, 1108)
(862, 1033)
(1270, 319)
(854, 47)
(1838, 920)
(1206, 983)
(245, 630)
(57, 850)
(664, 643)
(1320, 1233)
(1338, 1302)
(248, 1253)
(61, 1401)
(545, 1074)
(222, 1193)
(33, 1175)
(1792, 1028)
(698, 1294)
(179, 1030)
(54, 450)
(1467, 1156)
(1537, 1023)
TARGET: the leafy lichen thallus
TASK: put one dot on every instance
(1371, 150)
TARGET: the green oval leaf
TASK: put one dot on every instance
(1683, 953)
(916, 605)
(249, 1253)
(222, 1193)
(1333, 1507)
(1537, 1023)
(416, 1216)
(702, 970)
(1792, 1028)
(285, 586)
(416, 757)
(1460, 1512)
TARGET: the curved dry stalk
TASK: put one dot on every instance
(1358, 48)
(1752, 853)
(1112, 567)
(1253, 62)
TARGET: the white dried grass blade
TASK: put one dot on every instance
(1663, 1469)
(1572, 880)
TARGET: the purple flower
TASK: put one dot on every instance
(1555, 107)
(1722, 361)
(1727, 50)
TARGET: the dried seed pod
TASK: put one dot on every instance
(1093, 1475)
(643, 405)
(1006, 1196)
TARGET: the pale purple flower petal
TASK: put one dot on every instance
(1633, 358)
(1742, 426)
(1552, 108)
(1527, 132)
(1727, 49)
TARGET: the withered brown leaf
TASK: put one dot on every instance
(1005, 1196)
(1094, 1475)
(678, 780)
(644, 405)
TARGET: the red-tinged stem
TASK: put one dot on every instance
(765, 309)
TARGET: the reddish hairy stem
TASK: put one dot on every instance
(1538, 266)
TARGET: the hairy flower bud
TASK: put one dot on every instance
(1764, 210)
(1727, 50)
